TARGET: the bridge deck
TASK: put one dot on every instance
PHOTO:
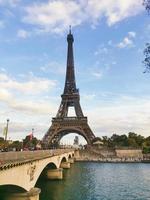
(13, 158)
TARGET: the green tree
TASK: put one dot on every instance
(30, 143)
(135, 140)
(146, 60)
(146, 145)
(106, 141)
(96, 139)
(139, 140)
(2, 142)
(132, 140)
(16, 144)
(119, 140)
(146, 3)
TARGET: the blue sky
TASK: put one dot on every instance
(109, 40)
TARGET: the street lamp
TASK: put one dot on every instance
(6, 130)
(32, 131)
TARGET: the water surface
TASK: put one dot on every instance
(100, 181)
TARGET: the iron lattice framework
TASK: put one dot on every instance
(62, 124)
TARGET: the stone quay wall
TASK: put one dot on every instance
(120, 155)
(129, 153)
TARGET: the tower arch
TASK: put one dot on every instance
(57, 136)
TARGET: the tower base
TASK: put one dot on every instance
(63, 126)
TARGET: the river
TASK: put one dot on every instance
(100, 181)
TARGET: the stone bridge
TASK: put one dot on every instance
(22, 169)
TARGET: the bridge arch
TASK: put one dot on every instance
(8, 189)
(70, 156)
(63, 159)
(50, 165)
(11, 188)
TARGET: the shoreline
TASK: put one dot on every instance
(112, 161)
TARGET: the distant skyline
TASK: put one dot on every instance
(109, 38)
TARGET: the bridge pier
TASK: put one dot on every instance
(33, 194)
(54, 174)
(71, 160)
(65, 165)
(76, 154)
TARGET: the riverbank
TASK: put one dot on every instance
(112, 160)
(110, 156)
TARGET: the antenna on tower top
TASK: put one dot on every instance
(70, 29)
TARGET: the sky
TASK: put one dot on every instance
(109, 38)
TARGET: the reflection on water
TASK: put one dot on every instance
(100, 181)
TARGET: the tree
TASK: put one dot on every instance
(119, 140)
(135, 140)
(96, 139)
(146, 145)
(146, 61)
(147, 58)
(139, 140)
(16, 144)
(132, 140)
(146, 3)
(2, 143)
(105, 140)
(30, 143)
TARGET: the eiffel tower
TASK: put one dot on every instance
(62, 124)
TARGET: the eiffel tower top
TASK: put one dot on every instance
(70, 83)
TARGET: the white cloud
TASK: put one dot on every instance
(127, 41)
(34, 85)
(97, 74)
(5, 95)
(56, 16)
(125, 114)
(52, 66)
(20, 129)
(100, 51)
(25, 104)
(2, 69)
(113, 10)
(3, 77)
(26, 96)
(88, 97)
(30, 106)
(120, 115)
(23, 34)
(132, 34)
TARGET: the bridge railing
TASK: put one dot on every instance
(7, 157)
